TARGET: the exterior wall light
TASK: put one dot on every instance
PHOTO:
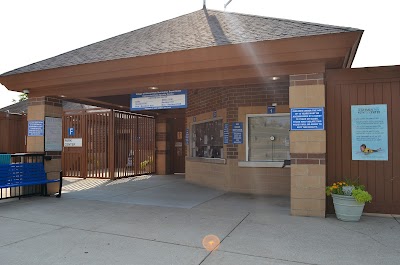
(274, 78)
(153, 88)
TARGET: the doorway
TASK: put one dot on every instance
(177, 145)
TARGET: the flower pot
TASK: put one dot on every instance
(347, 208)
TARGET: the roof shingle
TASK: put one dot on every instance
(200, 29)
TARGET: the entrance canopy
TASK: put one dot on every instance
(205, 48)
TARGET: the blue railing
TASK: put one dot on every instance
(21, 158)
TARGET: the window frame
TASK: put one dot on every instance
(247, 134)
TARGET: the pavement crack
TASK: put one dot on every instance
(270, 258)
(133, 237)
(22, 240)
(217, 246)
(29, 221)
(208, 200)
(396, 219)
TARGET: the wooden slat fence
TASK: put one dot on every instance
(366, 86)
(13, 130)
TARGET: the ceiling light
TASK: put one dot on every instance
(275, 78)
(153, 88)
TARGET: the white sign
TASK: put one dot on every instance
(53, 134)
(175, 99)
(72, 142)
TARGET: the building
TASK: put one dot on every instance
(243, 74)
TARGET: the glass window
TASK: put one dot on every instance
(207, 139)
(268, 137)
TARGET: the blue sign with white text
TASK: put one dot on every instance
(35, 128)
(237, 133)
(176, 99)
(271, 109)
(307, 119)
(71, 131)
(226, 133)
(187, 136)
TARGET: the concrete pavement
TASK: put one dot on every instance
(163, 220)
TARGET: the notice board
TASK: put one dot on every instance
(53, 134)
(369, 132)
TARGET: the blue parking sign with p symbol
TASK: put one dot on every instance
(71, 131)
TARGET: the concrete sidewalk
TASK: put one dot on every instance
(163, 220)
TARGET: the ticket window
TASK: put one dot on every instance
(268, 137)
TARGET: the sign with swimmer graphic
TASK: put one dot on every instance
(369, 132)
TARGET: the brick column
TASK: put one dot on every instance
(161, 146)
(308, 149)
(38, 109)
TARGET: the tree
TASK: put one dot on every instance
(21, 97)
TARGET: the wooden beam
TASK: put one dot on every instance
(192, 79)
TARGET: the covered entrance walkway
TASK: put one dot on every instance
(156, 190)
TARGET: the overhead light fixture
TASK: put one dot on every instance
(153, 88)
(62, 96)
(275, 78)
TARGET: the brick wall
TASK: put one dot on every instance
(209, 99)
(45, 101)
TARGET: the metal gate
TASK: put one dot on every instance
(114, 144)
(363, 87)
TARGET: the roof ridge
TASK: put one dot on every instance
(285, 19)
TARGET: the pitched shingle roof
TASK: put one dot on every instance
(22, 107)
(200, 29)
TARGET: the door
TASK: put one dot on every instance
(177, 145)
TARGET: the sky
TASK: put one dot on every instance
(31, 31)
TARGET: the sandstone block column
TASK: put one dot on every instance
(38, 109)
(161, 146)
(307, 149)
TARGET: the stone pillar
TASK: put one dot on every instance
(161, 146)
(308, 149)
(38, 109)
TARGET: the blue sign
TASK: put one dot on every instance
(226, 133)
(307, 119)
(176, 99)
(35, 128)
(214, 114)
(237, 133)
(187, 136)
(271, 109)
(369, 132)
(71, 131)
